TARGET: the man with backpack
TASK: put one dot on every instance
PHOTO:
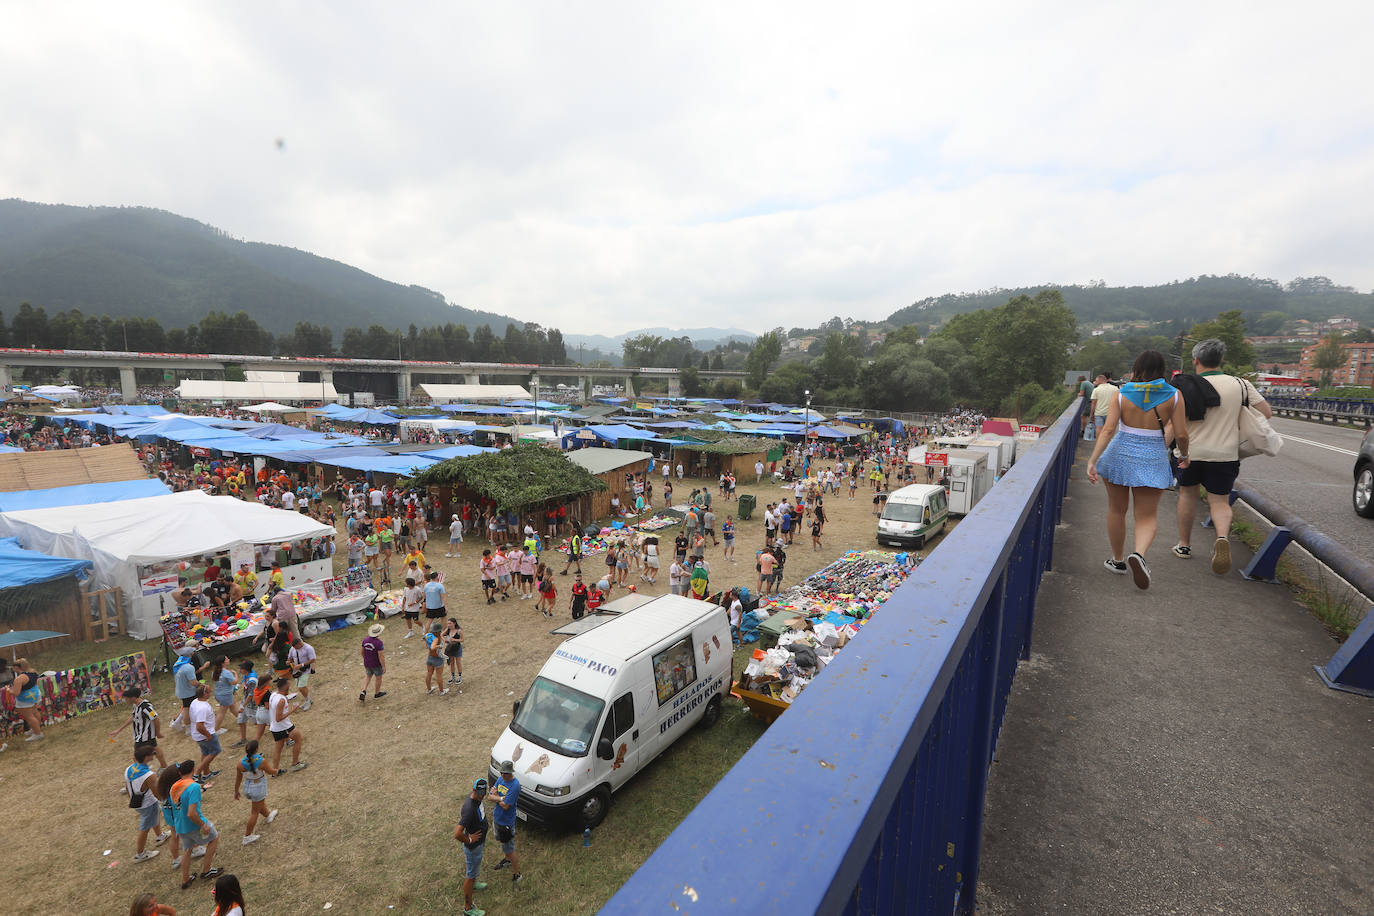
(142, 800)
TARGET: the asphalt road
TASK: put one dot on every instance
(1312, 476)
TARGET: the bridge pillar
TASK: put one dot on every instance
(472, 378)
(534, 385)
(630, 386)
(128, 387)
(674, 386)
(6, 378)
(326, 378)
(585, 383)
(403, 386)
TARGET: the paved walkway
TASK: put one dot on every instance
(1172, 750)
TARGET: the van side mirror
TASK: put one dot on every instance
(515, 709)
(605, 750)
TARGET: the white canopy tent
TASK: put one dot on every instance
(462, 394)
(122, 537)
(215, 390)
(270, 407)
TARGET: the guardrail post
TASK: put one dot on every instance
(1263, 567)
(1352, 667)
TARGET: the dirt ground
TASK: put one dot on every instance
(368, 827)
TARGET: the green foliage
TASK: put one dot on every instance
(522, 476)
(838, 366)
(692, 385)
(1098, 355)
(729, 444)
(727, 388)
(660, 352)
(788, 384)
(1031, 403)
(1185, 302)
(762, 356)
(1327, 358)
(1229, 328)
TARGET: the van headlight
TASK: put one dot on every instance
(554, 791)
(495, 766)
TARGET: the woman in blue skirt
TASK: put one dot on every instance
(1132, 458)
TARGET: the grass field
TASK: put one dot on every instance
(368, 827)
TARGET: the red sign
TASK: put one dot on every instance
(1033, 429)
(937, 458)
(200, 452)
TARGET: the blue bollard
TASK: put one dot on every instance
(1352, 667)
(1264, 566)
(586, 836)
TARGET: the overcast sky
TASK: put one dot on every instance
(605, 166)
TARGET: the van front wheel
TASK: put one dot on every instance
(595, 806)
(712, 713)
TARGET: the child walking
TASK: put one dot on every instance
(252, 778)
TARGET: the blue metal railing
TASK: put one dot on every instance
(1358, 408)
(867, 795)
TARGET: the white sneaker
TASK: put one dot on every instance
(272, 815)
(176, 863)
(306, 705)
(251, 838)
(222, 731)
(198, 852)
(409, 633)
(34, 737)
(162, 838)
(146, 854)
(444, 692)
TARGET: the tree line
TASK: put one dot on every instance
(220, 332)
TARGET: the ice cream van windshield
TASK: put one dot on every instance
(558, 717)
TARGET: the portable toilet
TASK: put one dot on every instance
(1005, 445)
(969, 479)
(1026, 437)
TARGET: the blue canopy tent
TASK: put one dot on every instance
(81, 494)
(29, 567)
(5, 449)
(451, 451)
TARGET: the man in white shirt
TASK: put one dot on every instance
(288, 500)
(758, 472)
(202, 716)
(676, 575)
(736, 613)
(375, 498)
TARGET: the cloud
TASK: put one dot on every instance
(606, 166)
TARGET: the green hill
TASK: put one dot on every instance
(1186, 301)
(134, 261)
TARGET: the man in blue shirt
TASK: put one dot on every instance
(192, 827)
(505, 793)
(434, 598)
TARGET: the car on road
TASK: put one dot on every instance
(1363, 496)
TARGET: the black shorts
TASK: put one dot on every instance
(489, 583)
(527, 577)
(1216, 477)
(411, 615)
(140, 745)
(434, 613)
(186, 702)
(282, 736)
(454, 650)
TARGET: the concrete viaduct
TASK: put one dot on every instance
(404, 370)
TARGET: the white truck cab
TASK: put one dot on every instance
(913, 515)
(611, 699)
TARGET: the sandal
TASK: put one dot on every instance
(1183, 551)
(212, 873)
(189, 881)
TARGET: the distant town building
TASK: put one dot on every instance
(1357, 365)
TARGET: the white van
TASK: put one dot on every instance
(610, 700)
(913, 515)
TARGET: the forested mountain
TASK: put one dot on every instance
(1188, 301)
(134, 261)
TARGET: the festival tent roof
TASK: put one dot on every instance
(364, 415)
(134, 410)
(215, 390)
(277, 431)
(7, 449)
(47, 469)
(30, 567)
(155, 528)
(380, 464)
(1000, 427)
(269, 407)
(614, 433)
(808, 414)
(452, 451)
(602, 460)
(81, 494)
(473, 392)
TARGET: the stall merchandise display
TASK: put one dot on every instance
(72, 692)
(813, 621)
(665, 518)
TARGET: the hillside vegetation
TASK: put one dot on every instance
(134, 261)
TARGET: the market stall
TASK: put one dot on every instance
(145, 547)
(225, 632)
(812, 621)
